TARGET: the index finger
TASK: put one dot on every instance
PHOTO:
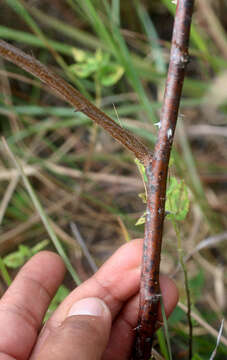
(115, 283)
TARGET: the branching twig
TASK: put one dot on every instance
(156, 169)
(75, 98)
(156, 187)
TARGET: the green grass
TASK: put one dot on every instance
(41, 130)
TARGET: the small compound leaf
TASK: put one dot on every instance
(14, 260)
(17, 258)
(177, 200)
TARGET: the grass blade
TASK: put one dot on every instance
(116, 11)
(152, 37)
(18, 7)
(162, 344)
(218, 340)
(166, 331)
(43, 216)
(5, 275)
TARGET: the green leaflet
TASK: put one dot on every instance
(141, 170)
(108, 72)
(177, 200)
(19, 257)
(141, 220)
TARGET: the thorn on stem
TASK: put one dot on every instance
(169, 133)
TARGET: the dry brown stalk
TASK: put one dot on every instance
(214, 26)
(156, 173)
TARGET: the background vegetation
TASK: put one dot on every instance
(116, 53)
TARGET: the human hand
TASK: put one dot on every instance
(94, 322)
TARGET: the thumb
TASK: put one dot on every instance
(83, 335)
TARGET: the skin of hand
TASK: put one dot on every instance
(96, 321)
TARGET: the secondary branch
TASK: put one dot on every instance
(75, 98)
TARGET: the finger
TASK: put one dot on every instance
(25, 302)
(123, 329)
(115, 283)
(83, 334)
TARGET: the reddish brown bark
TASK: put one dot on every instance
(156, 187)
(75, 98)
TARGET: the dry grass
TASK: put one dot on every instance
(81, 175)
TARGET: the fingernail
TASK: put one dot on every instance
(89, 306)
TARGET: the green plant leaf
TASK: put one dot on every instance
(141, 220)
(143, 197)
(177, 200)
(111, 74)
(14, 260)
(59, 297)
(108, 72)
(141, 170)
(79, 55)
(83, 70)
(17, 258)
(25, 251)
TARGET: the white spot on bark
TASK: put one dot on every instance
(169, 133)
